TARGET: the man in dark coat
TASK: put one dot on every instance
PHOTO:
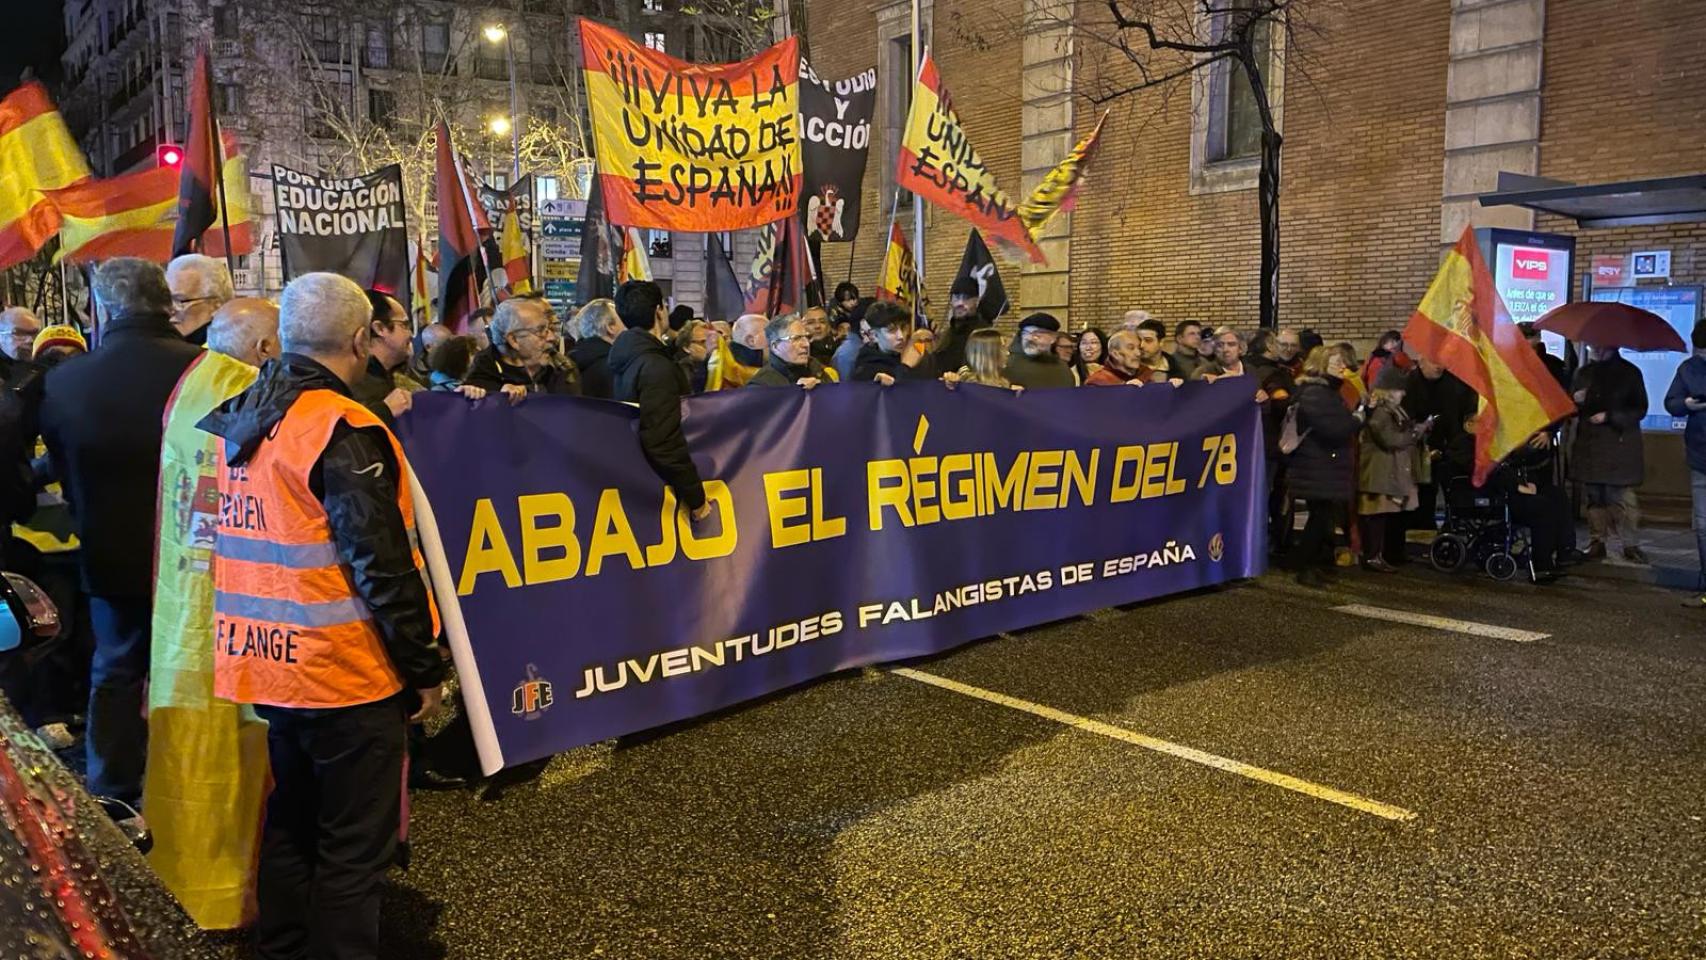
(1031, 361)
(101, 419)
(890, 356)
(1611, 399)
(1321, 469)
(790, 363)
(521, 359)
(596, 328)
(964, 316)
(646, 374)
(386, 387)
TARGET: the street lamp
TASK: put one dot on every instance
(498, 33)
(499, 125)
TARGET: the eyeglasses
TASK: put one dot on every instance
(796, 338)
(533, 331)
(186, 301)
(20, 335)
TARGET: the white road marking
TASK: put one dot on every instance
(1442, 623)
(1270, 777)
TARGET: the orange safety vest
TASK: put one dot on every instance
(290, 630)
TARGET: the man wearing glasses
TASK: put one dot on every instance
(200, 286)
(791, 363)
(18, 329)
(520, 359)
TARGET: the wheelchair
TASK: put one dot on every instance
(1478, 531)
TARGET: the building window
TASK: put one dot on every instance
(381, 107)
(225, 22)
(652, 6)
(1226, 127)
(230, 99)
(435, 46)
(655, 40)
(377, 51)
(894, 67)
(545, 188)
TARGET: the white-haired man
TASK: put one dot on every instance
(18, 331)
(200, 286)
(739, 356)
(322, 620)
(520, 359)
(596, 327)
(207, 760)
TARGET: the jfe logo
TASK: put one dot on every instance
(532, 696)
(1530, 264)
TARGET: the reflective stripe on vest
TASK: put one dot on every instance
(290, 628)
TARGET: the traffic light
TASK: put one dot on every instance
(169, 155)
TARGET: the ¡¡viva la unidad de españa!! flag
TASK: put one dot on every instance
(1462, 325)
(938, 162)
(693, 147)
(37, 154)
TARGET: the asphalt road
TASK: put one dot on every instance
(1549, 797)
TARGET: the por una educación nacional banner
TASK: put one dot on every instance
(853, 524)
(352, 226)
(693, 147)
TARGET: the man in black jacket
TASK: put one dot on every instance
(596, 328)
(522, 358)
(964, 316)
(890, 355)
(385, 387)
(790, 363)
(101, 418)
(200, 285)
(336, 708)
(647, 375)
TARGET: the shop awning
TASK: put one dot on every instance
(1628, 203)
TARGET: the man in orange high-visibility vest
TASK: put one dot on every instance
(322, 620)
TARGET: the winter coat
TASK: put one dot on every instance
(1107, 376)
(376, 384)
(1273, 378)
(645, 374)
(592, 358)
(361, 507)
(492, 373)
(873, 360)
(1320, 467)
(101, 416)
(1448, 400)
(779, 374)
(1690, 381)
(846, 356)
(1036, 373)
(1187, 363)
(1610, 453)
(951, 352)
(1388, 460)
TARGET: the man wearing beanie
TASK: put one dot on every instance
(1032, 363)
(964, 316)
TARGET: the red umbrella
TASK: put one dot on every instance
(1611, 325)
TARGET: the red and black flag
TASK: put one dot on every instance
(199, 185)
(781, 271)
(458, 239)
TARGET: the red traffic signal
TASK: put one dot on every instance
(169, 155)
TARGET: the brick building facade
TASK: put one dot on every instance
(1396, 114)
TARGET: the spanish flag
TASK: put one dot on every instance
(938, 163)
(899, 280)
(420, 289)
(512, 249)
(136, 215)
(1463, 326)
(635, 264)
(37, 154)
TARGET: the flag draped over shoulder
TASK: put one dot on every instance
(899, 279)
(938, 162)
(693, 146)
(37, 154)
(458, 242)
(1058, 190)
(136, 215)
(198, 193)
(1462, 325)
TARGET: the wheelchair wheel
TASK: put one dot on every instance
(1448, 552)
(1500, 566)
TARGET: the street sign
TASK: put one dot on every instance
(559, 289)
(560, 249)
(559, 227)
(561, 269)
(573, 209)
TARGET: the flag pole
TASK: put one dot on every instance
(917, 202)
(218, 162)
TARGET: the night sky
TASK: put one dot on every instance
(34, 38)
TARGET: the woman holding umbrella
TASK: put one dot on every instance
(1611, 397)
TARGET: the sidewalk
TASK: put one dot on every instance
(1676, 560)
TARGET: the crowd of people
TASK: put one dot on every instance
(213, 497)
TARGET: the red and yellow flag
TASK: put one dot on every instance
(693, 146)
(899, 280)
(518, 275)
(136, 215)
(37, 154)
(1059, 189)
(420, 288)
(1463, 326)
(938, 162)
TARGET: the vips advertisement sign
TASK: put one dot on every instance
(852, 525)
